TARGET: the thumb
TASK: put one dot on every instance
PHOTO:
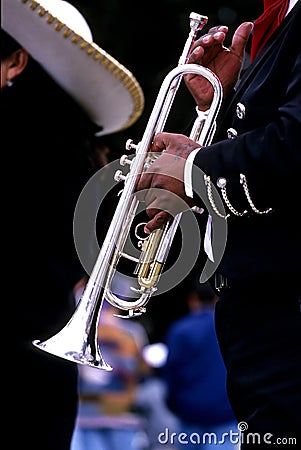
(240, 38)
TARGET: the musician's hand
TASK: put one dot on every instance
(209, 51)
(161, 187)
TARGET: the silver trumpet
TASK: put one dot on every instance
(78, 341)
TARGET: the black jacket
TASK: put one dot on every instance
(259, 136)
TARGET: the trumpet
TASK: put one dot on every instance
(77, 341)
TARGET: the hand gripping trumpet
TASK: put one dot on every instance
(78, 340)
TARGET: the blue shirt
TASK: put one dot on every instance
(195, 372)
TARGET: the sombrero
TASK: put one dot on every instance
(57, 36)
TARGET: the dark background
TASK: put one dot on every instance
(148, 39)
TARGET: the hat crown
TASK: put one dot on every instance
(71, 17)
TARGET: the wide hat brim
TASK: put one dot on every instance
(105, 89)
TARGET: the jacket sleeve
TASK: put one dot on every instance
(266, 157)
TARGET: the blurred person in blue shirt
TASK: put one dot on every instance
(196, 377)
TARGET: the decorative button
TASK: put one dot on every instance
(231, 133)
(221, 182)
(240, 111)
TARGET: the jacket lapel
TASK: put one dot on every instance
(251, 71)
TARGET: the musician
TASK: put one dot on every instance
(250, 177)
(52, 114)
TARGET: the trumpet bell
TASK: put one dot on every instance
(71, 346)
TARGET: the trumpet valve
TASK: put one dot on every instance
(125, 160)
(119, 176)
(129, 144)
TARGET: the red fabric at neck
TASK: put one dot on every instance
(266, 24)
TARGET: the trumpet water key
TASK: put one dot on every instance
(78, 341)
